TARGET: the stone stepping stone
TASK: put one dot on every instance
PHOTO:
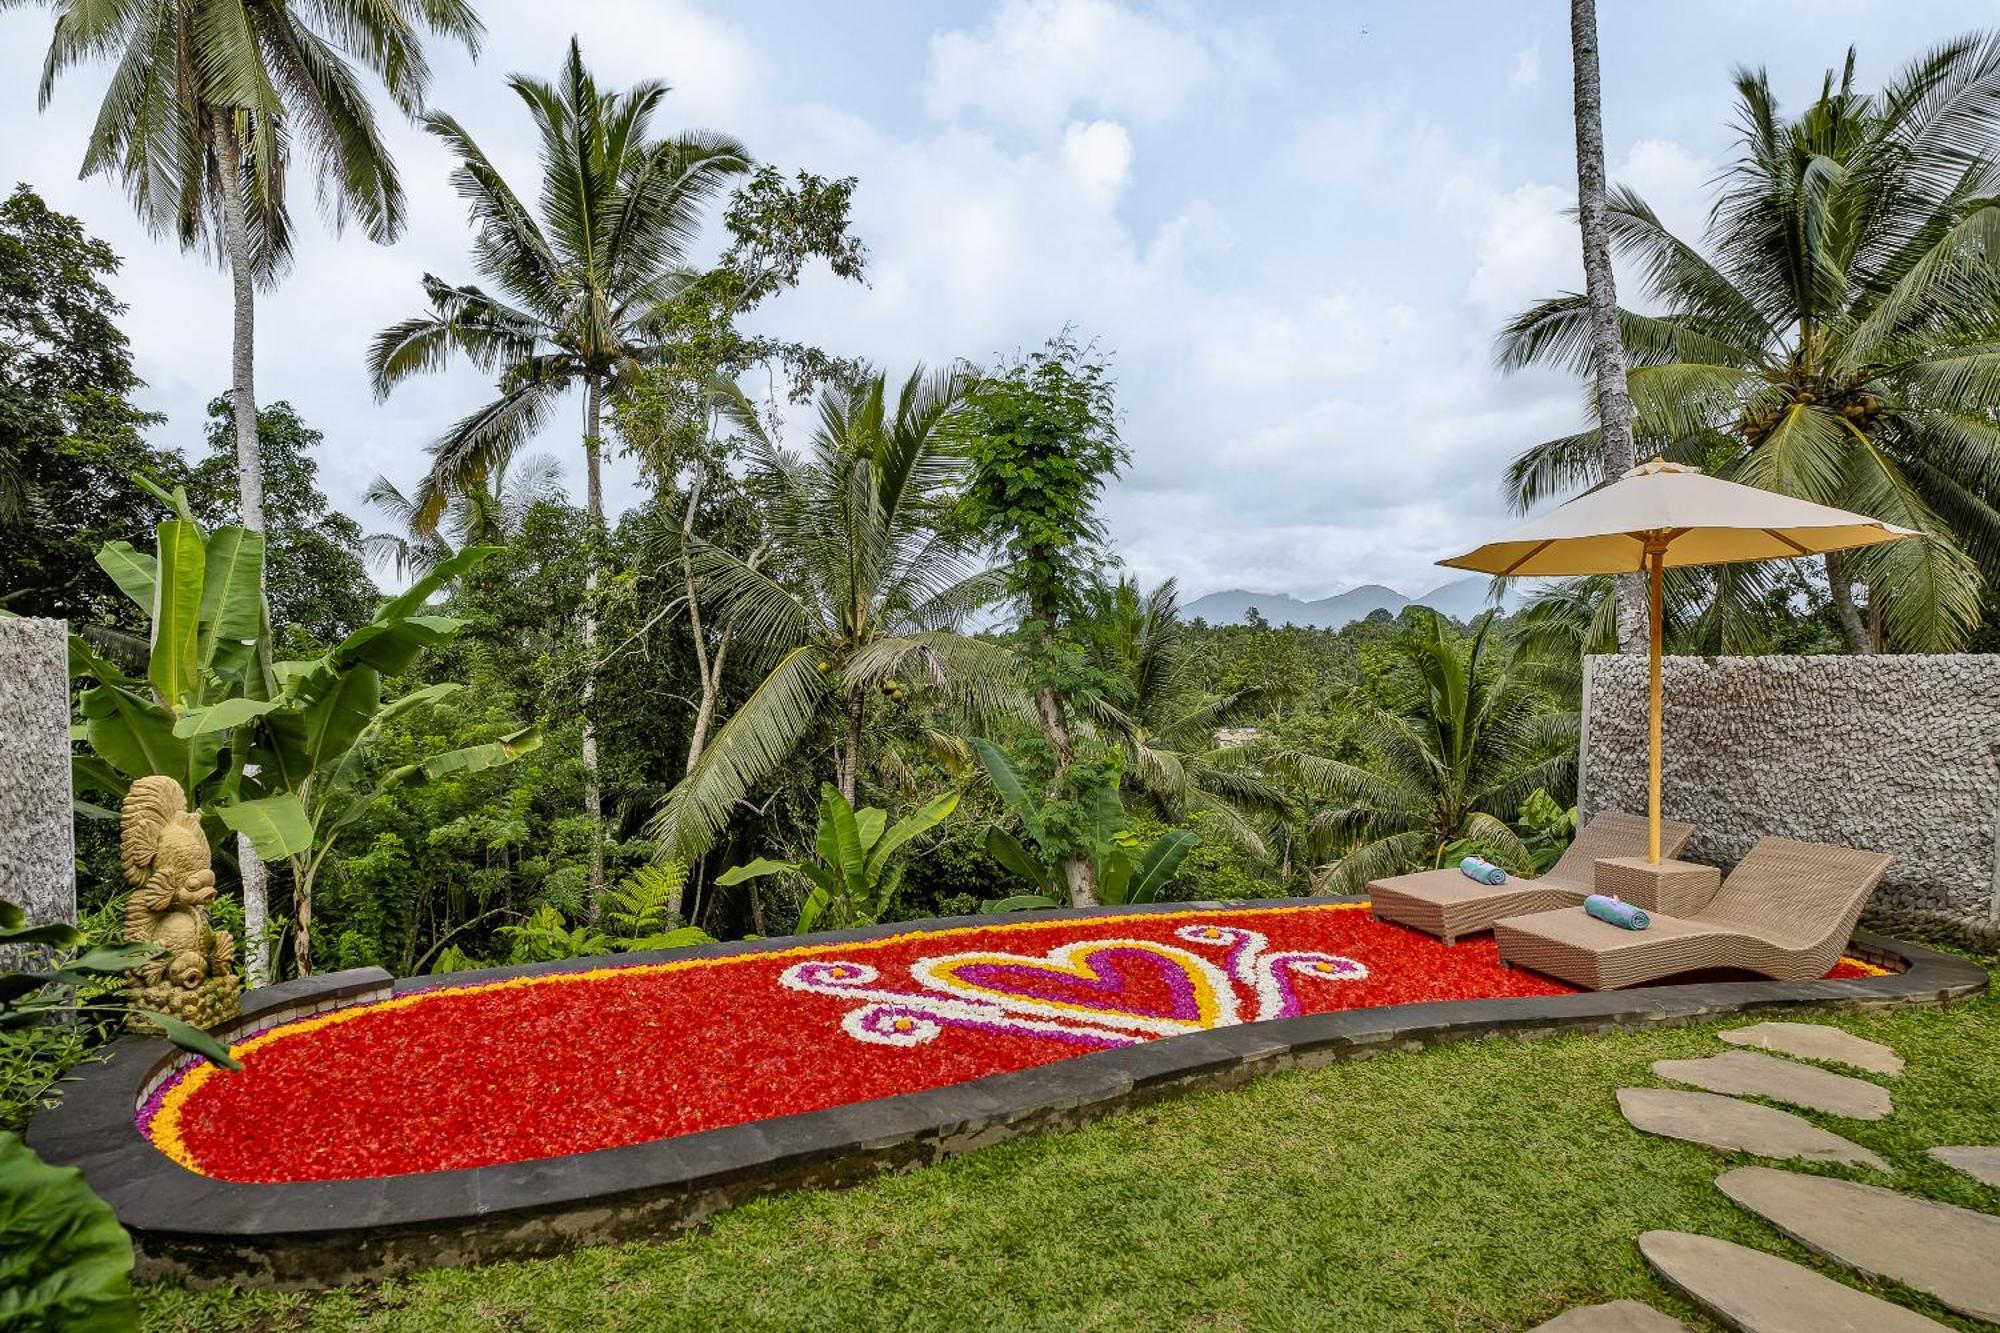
(1737, 1126)
(1753, 1074)
(1817, 1041)
(1613, 1317)
(1951, 1253)
(1982, 1164)
(1761, 1293)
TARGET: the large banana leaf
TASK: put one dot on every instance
(1006, 778)
(132, 570)
(232, 599)
(839, 840)
(338, 717)
(756, 869)
(412, 600)
(390, 646)
(922, 820)
(472, 758)
(174, 669)
(133, 734)
(1003, 847)
(1158, 867)
(227, 715)
(276, 825)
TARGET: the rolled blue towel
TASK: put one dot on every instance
(1617, 912)
(1481, 869)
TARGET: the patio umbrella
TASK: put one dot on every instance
(1662, 514)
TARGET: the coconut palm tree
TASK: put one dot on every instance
(579, 298)
(1837, 335)
(867, 580)
(1455, 742)
(204, 110)
(1614, 401)
(1165, 722)
(488, 514)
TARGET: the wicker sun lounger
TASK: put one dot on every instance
(1786, 911)
(1447, 904)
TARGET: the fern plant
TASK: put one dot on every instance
(643, 909)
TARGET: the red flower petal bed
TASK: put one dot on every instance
(547, 1065)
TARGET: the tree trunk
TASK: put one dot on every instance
(1841, 584)
(593, 798)
(249, 485)
(1077, 870)
(850, 755)
(302, 898)
(1614, 399)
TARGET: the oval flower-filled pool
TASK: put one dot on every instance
(542, 1066)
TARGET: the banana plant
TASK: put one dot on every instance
(278, 751)
(856, 875)
(1129, 870)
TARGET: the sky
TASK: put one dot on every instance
(1294, 228)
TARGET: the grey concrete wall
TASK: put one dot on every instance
(1896, 754)
(37, 846)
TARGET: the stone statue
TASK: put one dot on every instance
(166, 861)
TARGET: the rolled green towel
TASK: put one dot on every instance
(1481, 869)
(1617, 912)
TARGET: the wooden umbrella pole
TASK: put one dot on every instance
(1656, 556)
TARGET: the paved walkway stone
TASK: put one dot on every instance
(1952, 1253)
(1737, 1126)
(1614, 1317)
(1817, 1041)
(1761, 1293)
(1753, 1074)
(1982, 1164)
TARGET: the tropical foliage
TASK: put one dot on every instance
(1124, 868)
(1452, 742)
(854, 881)
(869, 583)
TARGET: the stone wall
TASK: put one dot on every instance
(1896, 754)
(37, 846)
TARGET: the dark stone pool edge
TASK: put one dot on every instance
(338, 1232)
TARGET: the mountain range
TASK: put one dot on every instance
(1461, 599)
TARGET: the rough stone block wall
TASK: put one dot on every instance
(37, 846)
(1895, 754)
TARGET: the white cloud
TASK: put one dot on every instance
(1037, 62)
(1099, 155)
(1677, 184)
(1526, 73)
(1525, 239)
(1524, 246)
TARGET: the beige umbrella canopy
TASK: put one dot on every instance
(1661, 514)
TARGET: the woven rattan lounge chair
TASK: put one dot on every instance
(1446, 904)
(1786, 911)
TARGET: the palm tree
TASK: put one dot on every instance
(1166, 722)
(207, 105)
(867, 582)
(1838, 336)
(580, 298)
(487, 514)
(203, 112)
(1614, 401)
(1455, 742)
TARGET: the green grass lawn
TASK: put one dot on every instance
(1483, 1186)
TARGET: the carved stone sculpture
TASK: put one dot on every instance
(165, 858)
